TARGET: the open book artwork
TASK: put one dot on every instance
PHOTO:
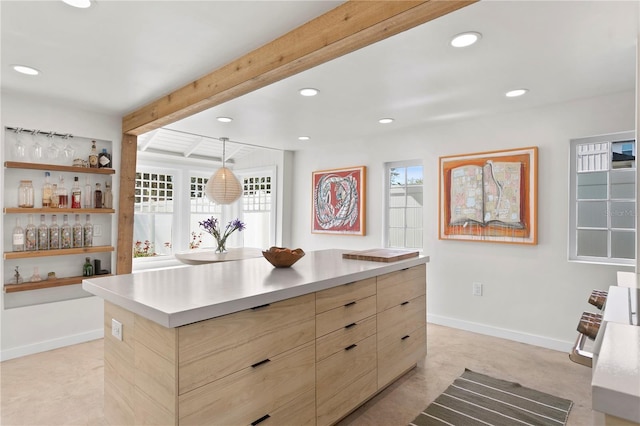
(489, 196)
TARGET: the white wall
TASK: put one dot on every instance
(531, 293)
(42, 327)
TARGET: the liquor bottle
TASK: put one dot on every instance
(104, 160)
(87, 268)
(98, 196)
(47, 190)
(66, 234)
(43, 235)
(76, 194)
(63, 195)
(87, 199)
(54, 234)
(55, 198)
(93, 156)
(77, 233)
(108, 196)
(30, 236)
(88, 232)
(18, 237)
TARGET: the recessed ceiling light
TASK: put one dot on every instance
(516, 93)
(303, 138)
(225, 119)
(309, 91)
(23, 69)
(82, 4)
(385, 120)
(465, 39)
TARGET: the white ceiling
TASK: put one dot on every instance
(119, 55)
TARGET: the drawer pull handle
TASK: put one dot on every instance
(348, 348)
(260, 420)
(350, 304)
(406, 269)
(261, 306)
(353, 324)
(405, 337)
(257, 364)
(404, 303)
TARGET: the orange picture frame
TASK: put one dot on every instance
(489, 196)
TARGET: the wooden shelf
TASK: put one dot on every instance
(61, 252)
(57, 168)
(58, 282)
(43, 210)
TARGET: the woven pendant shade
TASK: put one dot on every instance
(223, 187)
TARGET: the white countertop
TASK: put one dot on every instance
(180, 296)
(198, 256)
(615, 381)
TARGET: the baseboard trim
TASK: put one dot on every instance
(48, 345)
(530, 339)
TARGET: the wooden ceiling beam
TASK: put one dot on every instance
(348, 27)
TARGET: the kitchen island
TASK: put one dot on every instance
(245, 343)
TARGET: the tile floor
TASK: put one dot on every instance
(65, 386)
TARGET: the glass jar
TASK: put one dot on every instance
(25, 194)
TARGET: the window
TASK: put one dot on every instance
(258, 189)
(404, 204)
(603, 199)
(153, 207)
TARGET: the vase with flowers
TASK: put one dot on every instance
(212, 226)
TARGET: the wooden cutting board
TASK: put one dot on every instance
(381, 255)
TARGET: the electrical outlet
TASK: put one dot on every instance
(97, 230)
(477, 289)
(116, 328)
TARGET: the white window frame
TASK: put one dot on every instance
(386, 185)
(573, 202)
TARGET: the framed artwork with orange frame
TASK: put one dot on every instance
(489, 196)
(338, 201)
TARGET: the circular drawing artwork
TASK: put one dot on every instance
(336, 202)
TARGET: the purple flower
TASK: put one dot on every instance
(211, 226)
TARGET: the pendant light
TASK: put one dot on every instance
(223, 187)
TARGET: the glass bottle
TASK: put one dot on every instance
(98, 196)
(18, 236)
(87, 199)
(93, 156)
(63, 195)
(54, 234)
(76, 194)
(87, 268)
(77, 233)
(25, 194)
(104, 159)
(30, 236)
(66, 234)
(54, 196)
(108, 196)
(47, 190)
(43, 235)
(88, 232)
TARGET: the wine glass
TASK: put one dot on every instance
(68, 152)
(36, 150)
(53, 151)
(19, 150)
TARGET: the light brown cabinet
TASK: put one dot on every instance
(308, 360)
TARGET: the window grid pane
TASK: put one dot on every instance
(256, 195)
(199, 203)
(153, 193)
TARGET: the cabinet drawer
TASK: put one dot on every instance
(400, 286)
(351, 312)
(396, 355)
(249, 394)
(300, 412)
(341, 295)
(402, 319)
(211, 349)
(338, 340)
(344, 367)
(345, 401)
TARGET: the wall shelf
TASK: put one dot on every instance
(58, 282)
(60, 252)
(57, 168)
(43, 210)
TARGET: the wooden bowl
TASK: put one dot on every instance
(281, 257)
